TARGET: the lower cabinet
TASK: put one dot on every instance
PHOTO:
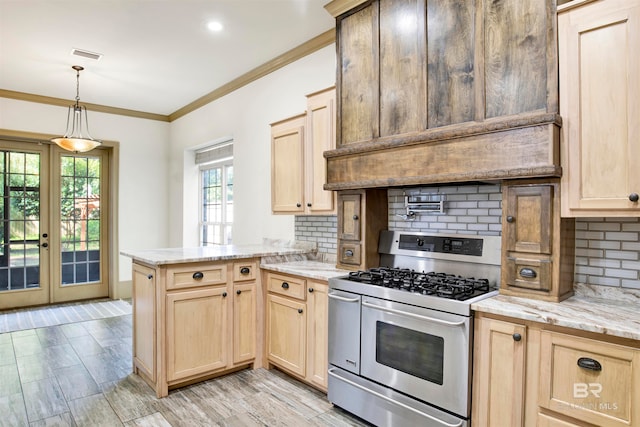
(193, 321)
(296, 327)
(527, 375)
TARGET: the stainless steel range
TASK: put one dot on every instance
(401, 335)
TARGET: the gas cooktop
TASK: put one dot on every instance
(440, 285)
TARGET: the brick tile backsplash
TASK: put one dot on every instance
(607, 249)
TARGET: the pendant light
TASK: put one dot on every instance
(77, 138)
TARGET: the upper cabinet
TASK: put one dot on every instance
(599, 62)
(472, 82)
(298, 167)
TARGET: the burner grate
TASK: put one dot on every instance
(441, 285)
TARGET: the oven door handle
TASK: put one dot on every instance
(390, 400)
(339, 298)
(415, 316)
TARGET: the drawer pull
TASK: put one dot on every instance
(198, 275)
(285, 285)
(590, 364)
(245, 270)
(348, 252)
(528, 273)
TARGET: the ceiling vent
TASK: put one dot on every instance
(86, 54)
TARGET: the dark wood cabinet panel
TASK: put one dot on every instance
(516, 46)
(402, 66)
(451, 78)
(357, 80)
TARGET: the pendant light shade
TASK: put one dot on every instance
(77, 138)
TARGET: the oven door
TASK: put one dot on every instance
(423, 353)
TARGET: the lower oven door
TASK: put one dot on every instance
(423, 353)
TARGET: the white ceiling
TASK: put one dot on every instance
(158, 54)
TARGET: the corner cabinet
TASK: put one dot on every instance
(599, 66)
(193, 321)
(296, 327)
(537, 244)
(527, 375)
(298, 167)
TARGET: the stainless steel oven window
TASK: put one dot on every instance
(412, 352)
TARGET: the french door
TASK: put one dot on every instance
(53, 238)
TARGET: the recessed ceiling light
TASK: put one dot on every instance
(214, 26)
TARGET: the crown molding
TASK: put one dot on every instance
(310, 46)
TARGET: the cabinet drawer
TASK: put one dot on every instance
(349, 253)
(534, 274)
(293, 287)
(590, 380)
(198, 275)
(245, 271)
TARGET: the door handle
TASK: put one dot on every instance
(415, 316)
(339, 298)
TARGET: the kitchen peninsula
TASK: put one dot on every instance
(197, 312)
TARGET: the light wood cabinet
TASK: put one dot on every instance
(589, 380)
(298, 167)
(197, 332)
(537, 244)
(533, 374)
(599, 65)
(362, 214)
(296, 327)
(499, 373)
(144, 315)
(193, 321)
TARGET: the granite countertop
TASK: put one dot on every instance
(306, 268)
(600, 309)
(166, 256)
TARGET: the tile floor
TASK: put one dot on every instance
(79, 374)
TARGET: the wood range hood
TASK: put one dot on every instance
(471, 94)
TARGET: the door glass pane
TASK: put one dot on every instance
(20, 214)
(80, 219)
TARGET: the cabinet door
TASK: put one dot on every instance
(528, 224)
(321, 136)
(498, 373)
(144, 320)
(358, 75)
(349, 213)
(244, 322)
(286, 333)
(599, 53)
(317, 329)
(197, 334)
(287, 160)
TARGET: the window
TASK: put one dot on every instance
(216, 194)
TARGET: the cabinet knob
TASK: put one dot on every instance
(224, 295)
(510, 219)
(238, 292)
(198, 275)
(310, 290)
(308, 205)
(517, 337)
(633, 197)
(348, 253)
(150, 276)
(355, 217)
(285, 285)
(45, 245)
(245, 270)
(298, 205)
(589, 363)
(300, 310)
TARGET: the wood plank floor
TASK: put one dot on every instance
(79, 374)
